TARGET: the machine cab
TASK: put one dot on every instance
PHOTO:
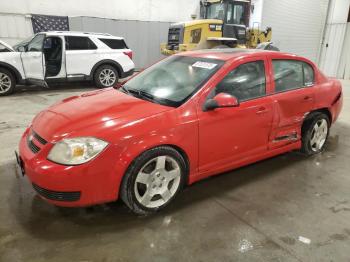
(233, 13)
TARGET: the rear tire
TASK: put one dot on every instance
(315, 131)
(153, 180)
(7, 82)
(106, 76)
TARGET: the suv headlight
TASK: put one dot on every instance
(76, 151)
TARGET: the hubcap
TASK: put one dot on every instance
(5, 83)
(157, 181)
(319, 135)
(107, 77)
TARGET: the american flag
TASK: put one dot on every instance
(42, 23)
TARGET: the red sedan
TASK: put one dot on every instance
(190, 116)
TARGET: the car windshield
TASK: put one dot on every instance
(23, 42)
(216, 11)
(172, 81)
(3, 48)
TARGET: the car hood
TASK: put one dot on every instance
(7, 46)
(91, 114)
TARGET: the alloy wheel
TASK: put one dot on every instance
(157, 181)
(5, 83)
(107, 77)
(319, 135)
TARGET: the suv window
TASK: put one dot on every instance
(36, 45)
(114, 43)
(79, 43)
(245, 82)
(292, 74)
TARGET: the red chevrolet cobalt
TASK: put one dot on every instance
(190, 116)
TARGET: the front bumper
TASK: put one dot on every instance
(88, 184)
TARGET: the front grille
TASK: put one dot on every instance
(57, 196)
(33, 147)
(39, 138)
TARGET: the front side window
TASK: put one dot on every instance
(292, 74)
(245, 82)
(172, 81)
(36, 45)
(79, 43)
(216, 11)
(235, 14)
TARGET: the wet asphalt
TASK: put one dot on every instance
(287, 208)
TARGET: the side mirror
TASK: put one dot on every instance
(219, 101)
(21, 49)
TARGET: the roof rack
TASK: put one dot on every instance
(77, 32)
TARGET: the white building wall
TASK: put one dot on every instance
(297, 26)
(256, 13)
(143, 10)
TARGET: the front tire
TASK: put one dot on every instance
(106, 76)
(7, 82)
(315, 133)
(153, 180)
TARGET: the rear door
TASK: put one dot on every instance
(81, 56)
(33, 60)
(293, 99)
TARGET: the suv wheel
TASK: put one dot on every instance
(153, 180)
(7, 82)
(106, 76)
(315, 133)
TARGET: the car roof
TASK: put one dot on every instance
(234, 53)
(77, 33)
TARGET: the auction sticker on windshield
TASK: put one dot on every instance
(204, 65)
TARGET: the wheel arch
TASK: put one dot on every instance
(324, 110)
(13, 70)
(180, 150)
(110, 62)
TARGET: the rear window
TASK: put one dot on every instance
(79, 43)
(114, 43)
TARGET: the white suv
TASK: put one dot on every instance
(65, 56)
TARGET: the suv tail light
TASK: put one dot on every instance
(128, 53)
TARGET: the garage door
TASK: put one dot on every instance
(297, 26)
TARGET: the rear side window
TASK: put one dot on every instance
(79, 43)
(114, 43)
(292, 74)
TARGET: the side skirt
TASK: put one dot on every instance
(245, 161)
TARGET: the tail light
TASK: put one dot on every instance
(128, 53)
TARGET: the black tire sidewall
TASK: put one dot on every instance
(307, 132)
(127, 188)
(13, 81)
(98, 72)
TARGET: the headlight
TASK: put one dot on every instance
(76, 151)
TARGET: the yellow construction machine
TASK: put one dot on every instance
(223, 23)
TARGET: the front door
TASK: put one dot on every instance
(227, 135)
(33, 60)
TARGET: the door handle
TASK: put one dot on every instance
(262, 110)
(307, 98)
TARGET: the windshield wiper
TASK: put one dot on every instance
(141, 94)
(124, 89)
